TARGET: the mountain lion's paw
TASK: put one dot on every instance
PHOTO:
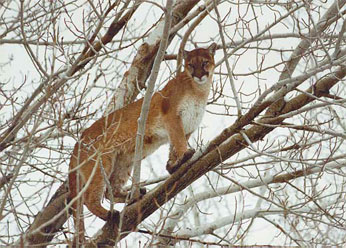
(172, 166)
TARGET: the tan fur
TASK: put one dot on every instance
(175, 112)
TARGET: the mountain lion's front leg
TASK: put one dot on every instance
(179, 152)
(174, 162)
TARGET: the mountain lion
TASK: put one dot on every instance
(107, 147)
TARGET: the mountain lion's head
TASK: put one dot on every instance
(199, 63)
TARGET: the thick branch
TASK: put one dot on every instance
(36, 235)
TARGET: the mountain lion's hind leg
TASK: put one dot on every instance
(93, 196)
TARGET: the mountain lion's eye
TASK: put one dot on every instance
(204, 63)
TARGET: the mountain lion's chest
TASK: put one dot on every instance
(191, 111)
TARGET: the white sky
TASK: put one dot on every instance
(21, 67)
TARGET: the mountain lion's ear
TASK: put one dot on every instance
(185, 54)
(212, 48)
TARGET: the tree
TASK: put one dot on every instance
(270, 161)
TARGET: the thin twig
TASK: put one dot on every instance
(230, 74)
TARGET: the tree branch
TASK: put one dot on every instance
(146, 102)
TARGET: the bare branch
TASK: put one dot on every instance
(146, 101)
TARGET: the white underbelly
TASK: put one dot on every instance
(191, 112)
